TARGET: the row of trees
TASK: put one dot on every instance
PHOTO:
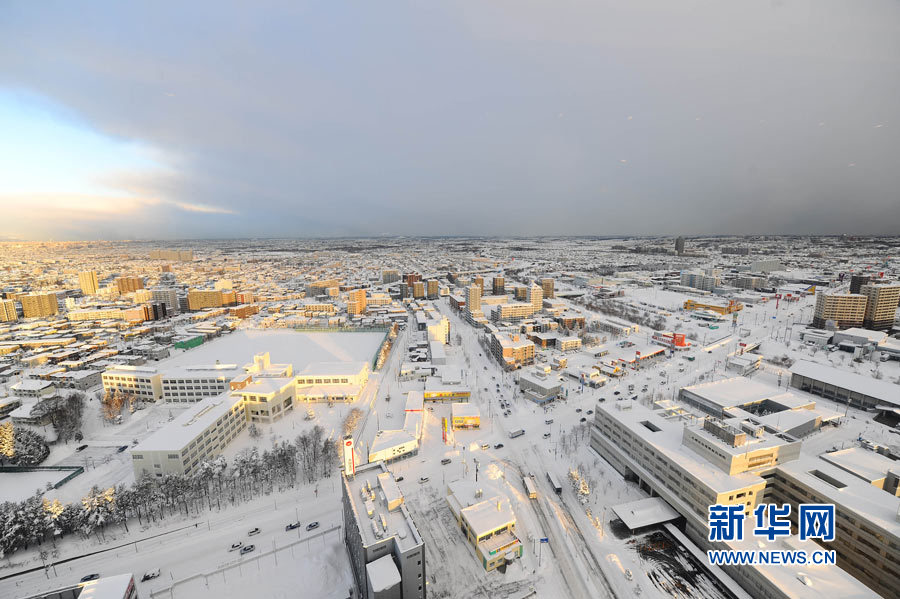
(252, 473)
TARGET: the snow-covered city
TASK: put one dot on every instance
(518, 299)
(462, 418)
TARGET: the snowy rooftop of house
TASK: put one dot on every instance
(535, 378)
(862, 463)
(866, 385)
(186, 426)
(464, 410)
(871, 336)
(383, 574)
(738, 391)
(31, 385)
(849, 492)
(667, 440)
(365, 491)
(485, 513)
(435, 384)
(645, 512)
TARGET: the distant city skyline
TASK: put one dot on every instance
(318, 120)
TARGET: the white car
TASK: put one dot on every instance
(423, 479)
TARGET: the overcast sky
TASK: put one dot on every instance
(506, 117)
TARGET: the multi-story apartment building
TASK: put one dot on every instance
(96, 314)
(321, 287)
(144, 382)
(389, 276)
(196, 435)
(129, 284)
(547, 286)
(39, 305)
(88, 282)
(857, 281)
(535, 297)
(485, 516)
(512, 351)
(200, 299)
(356, 302)
(167, 296)
(881, 305)
(512, 311)
(8, 311)
(418, 290)
(432, 289)
(846, 310)
(387, 553)
(268, 399)
(699, 280)
(498, 286)
(173, 255)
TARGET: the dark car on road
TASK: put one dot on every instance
(312, 526)
(498, 446)
(81, 448)
(122, 448)
(253, 531)
(292, 526)
(90, 577)
(247, 549)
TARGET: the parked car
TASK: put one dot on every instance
(399, 478)
(602, 399)
(485, 446)
(253, 531)
(247, 549)
(616, 392)
(498, 446)
(546, 435)
(90, 577)
(292, 526)
(236, 546)
(590, 411)
(312, 525)
(577, 410)
(445, 461)
(81, 448)
(122, 448)
(423, 479)
(583, 419)
(150, 575)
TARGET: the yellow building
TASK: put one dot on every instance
(129, 284)
(465, 415)
(37, 305)
(881, 305)
(512, 351)
(199, 299)
(8, 311)
(88, 282)
(547, 286)
(730, 307)
(356, 302)
(846, 310)
(486, 518)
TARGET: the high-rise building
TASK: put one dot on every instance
(37, 305)
(390, 276)
(432, 290)
(411, 278)
(129, 284)
(404, 290)
(356, 302)
(679, 245)
(857, 281)
(547, 286)
(473, 298)
(167, 296)
(8, 311)
(699, 280)
(536, 297)
(88, 282)
(418, 288)
(498, 286)
(846, 310)
(881, 305)
(480, 282)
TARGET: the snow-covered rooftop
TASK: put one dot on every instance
(383, 574)
(866, 385)
(645, 512)
(190, 423)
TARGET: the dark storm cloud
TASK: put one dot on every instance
(502, 117)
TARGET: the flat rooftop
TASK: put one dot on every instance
(738, 391)
(862, 463)
(880, 390)
(645, 512)
(190, 423)
(365, 491)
